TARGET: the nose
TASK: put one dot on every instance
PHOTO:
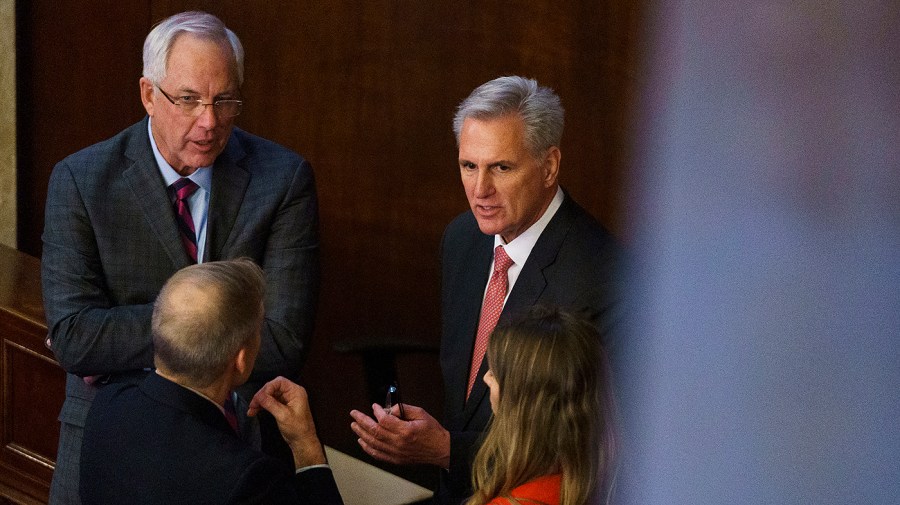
(484, 183)
(207, 118)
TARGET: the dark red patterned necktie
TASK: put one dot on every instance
(184, 188)
(231, 413)
(490, 311)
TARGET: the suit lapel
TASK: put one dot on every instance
(149, 192)
(532, 280)
(527, 291)
(229, 184)
(472, 279)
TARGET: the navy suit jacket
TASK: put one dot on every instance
(574, 265)
(159, 443)
(111, 241)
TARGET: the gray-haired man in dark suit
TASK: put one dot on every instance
(168, 439)
(508, 132)
(114, 232)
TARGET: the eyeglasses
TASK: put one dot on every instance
(192, 106)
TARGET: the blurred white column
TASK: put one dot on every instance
(765, 356)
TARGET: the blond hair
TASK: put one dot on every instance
(555, 409)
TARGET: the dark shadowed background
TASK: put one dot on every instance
(365, 91)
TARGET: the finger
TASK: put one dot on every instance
(272, 405)
(280, 389)
(359, 416)
(357, 429)
(372, 431)
(374, 435)
(377, 453)
(361, 431)
(365, 430)
(392, 423)
(413, 413)
(364, 421)
(374, 438)
(380, 436)
(295, 396)
(255, 404)
(268, 389)
(379, 412)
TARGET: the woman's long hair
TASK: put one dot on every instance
(555, 412)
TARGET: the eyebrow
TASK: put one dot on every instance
(509, 163)
(225, 95)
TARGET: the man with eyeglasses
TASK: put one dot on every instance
(182, 186)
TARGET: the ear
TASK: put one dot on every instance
(243, 363)
(551, 166)
(147, 95)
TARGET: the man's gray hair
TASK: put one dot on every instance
(204, 314)
(538, 106)
(199, 24)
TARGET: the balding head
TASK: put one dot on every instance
(204, 315)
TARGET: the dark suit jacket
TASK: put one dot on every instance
(574, 265)
(111, 241)
(160, 443)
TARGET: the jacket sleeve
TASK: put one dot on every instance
(85, 325)
(291, 264)
(267, 482)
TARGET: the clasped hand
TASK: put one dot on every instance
(417, 439)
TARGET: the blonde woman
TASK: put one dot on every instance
(551, 439)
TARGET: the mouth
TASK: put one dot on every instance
(487, 210)
(204, 145)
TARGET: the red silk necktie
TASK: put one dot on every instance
(490, 311)
(184, 188)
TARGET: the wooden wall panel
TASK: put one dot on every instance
(366, 91)
(78, 65)
(32, 386)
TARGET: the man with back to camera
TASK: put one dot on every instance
(524, 241)
(181, 186)
(168, 440)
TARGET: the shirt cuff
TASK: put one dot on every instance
(310, 467)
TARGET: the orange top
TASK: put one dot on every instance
(541, 491)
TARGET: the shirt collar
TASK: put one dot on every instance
(198, 393)
(520, 247)
(202, 176)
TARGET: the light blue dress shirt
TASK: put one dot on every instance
(198, 202)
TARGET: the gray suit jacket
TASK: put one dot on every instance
(111, 242)
(574, 264)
